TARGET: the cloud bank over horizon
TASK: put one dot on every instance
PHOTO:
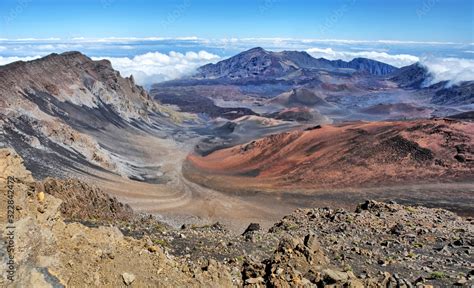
(11, 59)
(397, 60)
(451, 69)
(155, 59)
(156, 67)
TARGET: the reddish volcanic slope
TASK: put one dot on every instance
(356, 154)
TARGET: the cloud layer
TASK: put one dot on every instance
(398, 60)
(155, 67)
(7, 60)
(448, 61)
(454, 70)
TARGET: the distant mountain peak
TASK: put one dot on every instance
(260, 63)
(72, 54)
(412, 76)
(76, 55)
(256, 49)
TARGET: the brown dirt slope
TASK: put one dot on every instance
(355, 154)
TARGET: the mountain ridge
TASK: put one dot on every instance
(258, 62)
(59, 107)
(74, 77)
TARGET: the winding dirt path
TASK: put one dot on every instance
(179, 201)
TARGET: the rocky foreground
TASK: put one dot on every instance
(71, 234)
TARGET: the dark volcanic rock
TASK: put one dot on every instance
(369, 66)
(463, 116)
(255, 62)
(253, 227)
(402, 147)
(460, 94)
(412, 76)
(200, 104)
(394, 245)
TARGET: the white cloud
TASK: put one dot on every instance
(148, 68)
(394, 42)
(36, 39)
(41, 49)
(126, 47)
(454, 70)
(7, 60)
(401, 42)
(132, 39)
(155, 67)
(397, 60)
(46, 47)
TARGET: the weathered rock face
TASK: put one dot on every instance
(252, 63)
(369, 66)
(90, 204)
(58, 109)
(75, 78)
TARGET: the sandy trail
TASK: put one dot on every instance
(179, 201)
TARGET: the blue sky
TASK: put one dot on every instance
(415, 20)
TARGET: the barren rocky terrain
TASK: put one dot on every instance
(188, 186)
(108, 245)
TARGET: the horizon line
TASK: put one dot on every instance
(82, 39)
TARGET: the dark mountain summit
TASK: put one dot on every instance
(259, 63)
(412, 76)
(416, 76)
(462, 94)
(255, 62)
(367, 65)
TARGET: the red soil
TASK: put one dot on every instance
(357, 154)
